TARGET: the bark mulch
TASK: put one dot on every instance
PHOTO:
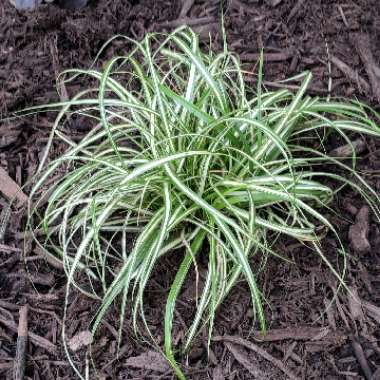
(309, 337)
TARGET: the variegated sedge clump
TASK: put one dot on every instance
(183, 152)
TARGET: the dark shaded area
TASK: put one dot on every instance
(338, 41)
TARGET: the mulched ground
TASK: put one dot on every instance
(337, 40)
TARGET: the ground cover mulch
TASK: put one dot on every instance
(338, 41)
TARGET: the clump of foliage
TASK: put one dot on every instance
(187, 158)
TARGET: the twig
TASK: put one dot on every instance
(300, 333)
(187, 21)
(60, 83)
(268, 57)
(22, 340)
(242, 342)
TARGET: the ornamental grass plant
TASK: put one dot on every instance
(187, 159)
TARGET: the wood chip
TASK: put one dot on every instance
(363, 45)
(291, 87)
(46, 279)
(217, 373)
(360, 356)
(317, 338)
(351, 74)
(8, 249)
(295, 10)
(296, 333)
(268, 57)
(247, 362)
(289, 353)
(358, 233)
(10, 189)
(251, 346)
(186, 6)
(150, 360)
(8, 134)
(372, 310)
(355, 305)
(346, 150)
(330, 308)
(376, 375)
(51, 259)
(34, 338)
(6, 366)
(80, 340)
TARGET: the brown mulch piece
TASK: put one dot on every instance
(268, 57)
(357, 146)
(298, 5)
(358, 232)
(36, 46)
(10, 189)
(80, 340)
(352, 75)
(362, 43)
(373, 311)
(34, 338)
(149, 360)
(301, 333)
(242, 342)
(359, 353)
(249, 363)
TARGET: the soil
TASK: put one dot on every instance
(309, 338)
